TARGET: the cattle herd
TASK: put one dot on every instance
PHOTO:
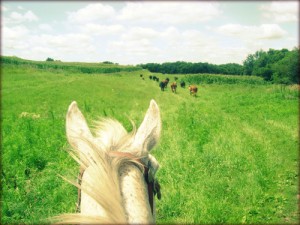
(164, 84)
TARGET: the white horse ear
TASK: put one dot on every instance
(148, 133)
(77, 128)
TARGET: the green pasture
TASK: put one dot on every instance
(229, 155)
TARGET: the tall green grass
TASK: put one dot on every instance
(223, 79)
(230, 155)
(233, 160)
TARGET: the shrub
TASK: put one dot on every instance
(49, 59)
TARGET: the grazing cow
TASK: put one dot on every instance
(173, 87)
(182, 84)
(163, 84)
(155, 78)
(193, 90)
(167, 81)
(150, 77)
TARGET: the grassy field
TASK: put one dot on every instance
(230, 155)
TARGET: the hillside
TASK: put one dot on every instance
(69, 66)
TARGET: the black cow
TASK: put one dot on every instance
(182, 84)
(163, 84)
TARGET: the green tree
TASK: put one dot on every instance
(249, 64)
(287, 69)
(49, 59)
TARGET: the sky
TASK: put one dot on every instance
(134, 32)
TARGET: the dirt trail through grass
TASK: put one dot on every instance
(227, 156)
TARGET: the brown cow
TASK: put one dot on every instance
(173, 87)
(193, 90)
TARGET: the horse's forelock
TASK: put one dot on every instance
(113, 136)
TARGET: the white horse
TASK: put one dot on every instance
(118, 173)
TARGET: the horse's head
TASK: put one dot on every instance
(118, 170)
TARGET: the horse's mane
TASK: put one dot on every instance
(104, 187)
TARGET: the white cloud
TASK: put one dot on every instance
(148, 45)
(171, 34)
(16, 17)
(3, 8)
(45, 27)
(287, 11)
(65, 47)
(270, 31)
(15, 37)
(140, 33)
(194, 46)
(195, 39)
(264, 31)
(14, 33)
(224, 54)
(95, 12)
(67, 42)
(144, 31)
(133, 47)
(169, 12)
(96, 29)
(43, 50)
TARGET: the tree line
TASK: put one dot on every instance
(278, 66)
(181, 67)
